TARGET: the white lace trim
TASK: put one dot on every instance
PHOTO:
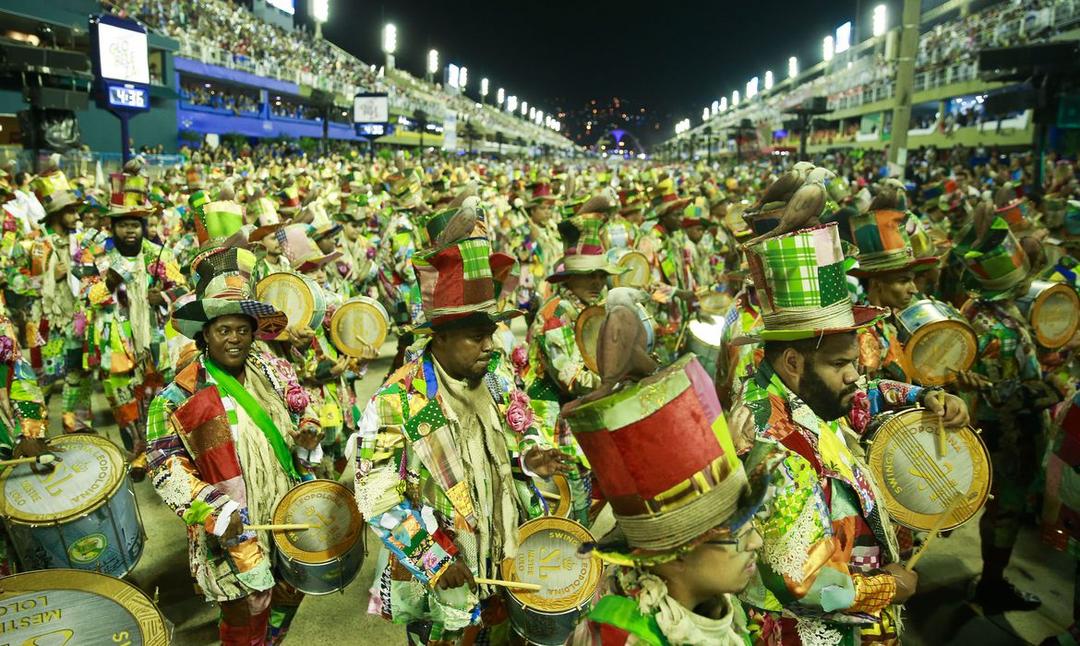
(788, 553)
(814, 632)
(372, 487)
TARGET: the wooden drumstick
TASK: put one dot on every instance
(940, 437)
(284, 527)
(934, 531)
(532, 587)
(550, 495)
(44, 458)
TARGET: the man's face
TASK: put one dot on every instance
(352, 231)
(636, 217)
(713, 569)
(540, 213)
(829, 375)
(327, 244)
(228, 341)
(894, 290)
(695, 233)
(128, 232)
(272, 246)
(670, 220)
(587, 287)
(69, 218)
(465, 353)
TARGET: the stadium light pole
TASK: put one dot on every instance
(792, 67)
(432, 64)
(463, 77)
(320, 13)
(483, 89)
(500, 96)
(389, 44)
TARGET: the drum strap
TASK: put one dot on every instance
(234, 389)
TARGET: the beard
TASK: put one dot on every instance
(825, 403)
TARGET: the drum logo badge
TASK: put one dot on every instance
(88, 548)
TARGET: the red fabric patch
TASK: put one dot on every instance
(203, 421)
(1070, 444)
(552, 324)
(612, 636)
(218, 464)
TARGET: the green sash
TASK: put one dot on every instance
(236, 390)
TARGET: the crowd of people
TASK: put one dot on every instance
(744, 509)
(209, 95)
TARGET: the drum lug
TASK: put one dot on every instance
(989, 496)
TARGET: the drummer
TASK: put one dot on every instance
(802, 396)
(264, 442)
(662, 244)
(398, 244)
(1011, 396)
(443, 450)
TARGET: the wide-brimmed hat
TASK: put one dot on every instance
(300, 250)
(288, 198)
(802, 288)
(631, 200)
(664, 198)
(464, 279)
(540, 193)
(585, 252)
(54, 192)
(664, 458)
(884, 245)
(265, 216)
(996, 263)
(222, 279)
(694, 214)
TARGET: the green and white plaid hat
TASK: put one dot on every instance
(801, 286)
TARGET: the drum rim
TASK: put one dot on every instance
(355, 303)
(103, 585)
(89, 508)
(886, 496)
(287, 276)
(578, 531)
(288, 550)
(590, 359)
(925, 330)
(1040, 300)
(620, 280)
(565, 505)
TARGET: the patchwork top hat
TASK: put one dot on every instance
(996, 263)
(664, 458)
(695, 215)
(222, 222)
(289, 198)
(406, 188)
(801, 286)
(265, 215)
(130, 196)
(222, 278)
(53, 191)
(585, 252)
(884, 245)
(664, 198)
(540, 193)
(300, 250)
(463, 279)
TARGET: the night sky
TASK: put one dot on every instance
(671, 57)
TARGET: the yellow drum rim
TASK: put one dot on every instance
(118, 463)
(565, 503)
(926, 330)
(286, 277)
(128, 596)
(532, 600)
(628, 260)
(877, 451)
(1040, 300)
(356, 304)
(708, 296)
(588, 354)
(286, 546)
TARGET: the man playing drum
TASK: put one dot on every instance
(443, 451)
(829, 564)
(227, 441)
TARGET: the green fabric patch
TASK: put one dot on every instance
(197, 512)
(426, 420)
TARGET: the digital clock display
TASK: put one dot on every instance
(128, 96)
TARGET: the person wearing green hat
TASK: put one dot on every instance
(228, 437)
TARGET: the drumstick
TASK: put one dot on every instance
(280, 528)
(550, 496)
(532, 587)
(934, 531)
(940, 437)
(44, 458)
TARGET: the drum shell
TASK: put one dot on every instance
(1030, 305)
(106, 537)
(318, 299)
(699, 343)
(920, 319)
(637, 275)
(327, 577)
(544, 628)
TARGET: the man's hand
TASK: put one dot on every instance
(308, 438)
(340, 366)
(300, 338)
(113, 280)
(235, 528)
(455, 576)
(32, 447)
(547, 462)
(949, 407)
(155, 298)
(970, 380)
(906, 582)
(743, 430)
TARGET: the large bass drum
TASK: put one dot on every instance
(327, 557)
(548, 556)
(919, 485)
(82, 514)
(74, 607)
(938, 342)
(1053, 309)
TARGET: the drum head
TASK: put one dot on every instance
(62, 606)
(556, 492)
(330, 508)
(548, 556)
(358, 328)
(938, 351)
(636, 271)
(918, 485)
(292, 294)
(587, 330)
(89, 471)
(711, 301)
(1055, 315)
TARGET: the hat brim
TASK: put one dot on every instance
(610, 269)
(924, 262)
(190, 318)
(864, 315)
(498, 316)
(666, 207)
(130, 212)
(312, 264)
(261, 232)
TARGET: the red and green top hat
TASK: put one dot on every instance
(631, 200)
(463, 279)
(220, 221)
(996, 264)
(801, 286)
(664, 198)
(664, 458)
(222, 279)
(130, 197)
(694, 215)
(585, 252)
(289, 198)
(265, 215)
(540, 193)
(884, 245)
(53, 191)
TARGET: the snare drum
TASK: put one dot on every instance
(298, 296)
(327, 557)
(704, 339)
(587, 332)
(548, 556)
(72, 607)
(556, 494)
(358, 328)
(636, 270)
(83, 514)
(711, 301)
(1053, 309)
(938, 342)
(918, 485)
